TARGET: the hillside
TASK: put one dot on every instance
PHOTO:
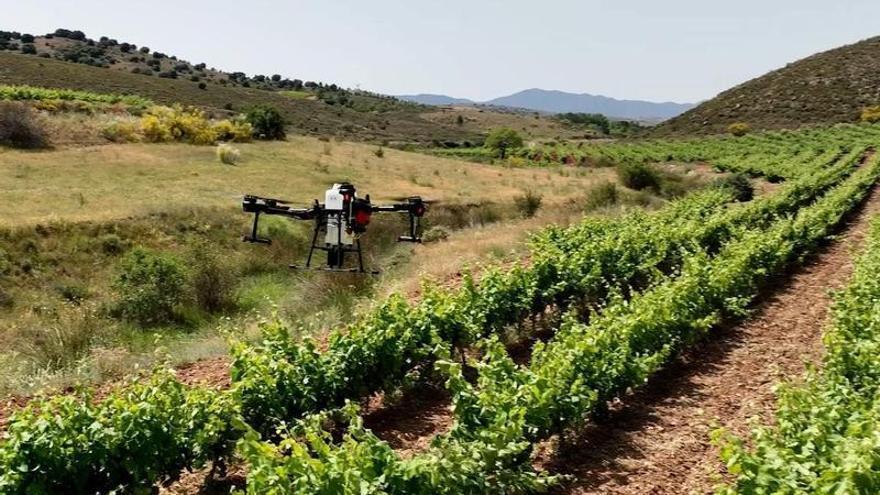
(543, 100)
(305, 116)
(827, 87)
(107, 53)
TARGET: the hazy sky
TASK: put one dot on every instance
(655, 50)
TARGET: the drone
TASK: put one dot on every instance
(342, 218)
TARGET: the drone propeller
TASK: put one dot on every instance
(425, 201)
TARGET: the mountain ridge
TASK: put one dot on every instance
(556, 101)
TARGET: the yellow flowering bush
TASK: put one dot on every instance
(871, 114)
(190, 125)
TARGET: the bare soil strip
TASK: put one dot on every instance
(657, 440)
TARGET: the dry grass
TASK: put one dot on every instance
(479, 120)
(102, 183)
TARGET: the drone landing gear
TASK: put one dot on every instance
(335, 255)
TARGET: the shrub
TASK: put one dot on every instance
(73, 293)
(501, 141)
(379, 152)
(203, 85)
(638, 176)
(233, 130)
(28, 49)
(112, 244)
(739, 129)
(739, 185)
(19, 127)
(121, 131)
(227, 154)
(27, 38)
(149, 287)
(871, 114)
(436, 233)
(190, 125)
(528, 203)
(601, 195)
(266, 121)
(211, 281)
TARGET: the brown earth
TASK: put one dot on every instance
(657, 440)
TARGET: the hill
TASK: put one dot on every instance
(543, 100)
(305, 116)
(436, 100)
(74, 46)
(828, 87)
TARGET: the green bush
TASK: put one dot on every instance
(740, 185)
(19, 127)
(601, 195)
(267, 122)
(638, 176)
(528, 203)
(211, 280)
(503, 140)
(149, 287)
(112, 244)
(436, 233)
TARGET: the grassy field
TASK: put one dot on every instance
(72, 213)
(530, 125)
(111, 182)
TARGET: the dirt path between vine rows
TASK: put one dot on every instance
(657, 440)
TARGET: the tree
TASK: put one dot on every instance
(27, 38)
(503, 140)
(459, 120)
(595, 119)
(276, 77)
(267, 121)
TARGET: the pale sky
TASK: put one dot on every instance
(671, 50)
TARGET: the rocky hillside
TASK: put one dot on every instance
(827, 87)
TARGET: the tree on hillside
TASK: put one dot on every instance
(267, 121)
(504, 140)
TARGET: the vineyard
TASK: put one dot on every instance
(32, 93)
(601, 305)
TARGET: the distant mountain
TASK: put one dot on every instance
(543, 100)
(436, 100)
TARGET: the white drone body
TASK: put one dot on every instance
(338, 232)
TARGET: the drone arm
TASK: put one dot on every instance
(415, 207)
(269, 206)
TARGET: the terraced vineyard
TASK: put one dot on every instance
(615, 300)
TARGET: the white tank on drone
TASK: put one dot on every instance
(335, 201)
